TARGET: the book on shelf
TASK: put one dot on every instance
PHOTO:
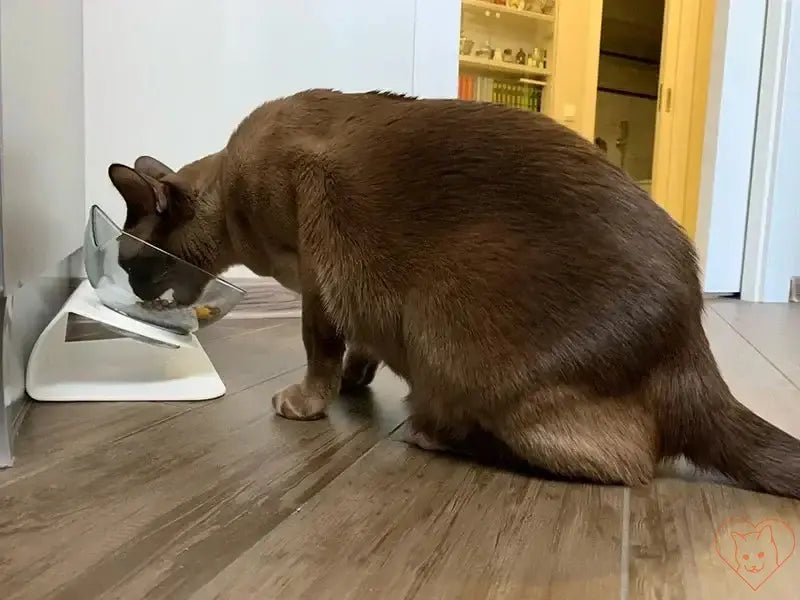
(514, 94)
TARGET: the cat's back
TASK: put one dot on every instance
(505, 158)
(454, 162)
(500, 155)
(448, 165)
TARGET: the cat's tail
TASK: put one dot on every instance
(701, 419)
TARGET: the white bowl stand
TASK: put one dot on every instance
(120, 369)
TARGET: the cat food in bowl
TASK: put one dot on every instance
(105, 243)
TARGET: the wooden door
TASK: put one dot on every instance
(680, 117)
(664, 114)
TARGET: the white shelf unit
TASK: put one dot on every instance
(501, 11)
(501, 27)
(496, 66)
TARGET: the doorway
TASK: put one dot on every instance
(653, 72)
(627, 84)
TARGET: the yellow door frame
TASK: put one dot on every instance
(681, 113)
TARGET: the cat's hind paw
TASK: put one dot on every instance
(421, 440)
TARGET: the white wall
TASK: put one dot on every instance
(728, 145)
(772, 251)
(41, 93)
(173, 79)
(783, 250)
(436, 25)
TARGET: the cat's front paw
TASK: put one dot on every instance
(298, 403)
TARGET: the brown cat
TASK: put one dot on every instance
(527, 289)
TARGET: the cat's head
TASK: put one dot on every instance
(178, 212)
(755, 550)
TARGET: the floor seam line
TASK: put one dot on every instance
(243, 333)
(756, 348)
(385, 438)
(625, 551)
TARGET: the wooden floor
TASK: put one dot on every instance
(223, 500)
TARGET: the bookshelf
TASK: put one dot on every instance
(499, 11)
(506, 52)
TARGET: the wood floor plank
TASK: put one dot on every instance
(227, 501)
(248, 359)
(774, 329)
(233, 325)
(403, 523)
(673, 554)
(53, 431)
(674, 522)
(752, 379)
(158, 514)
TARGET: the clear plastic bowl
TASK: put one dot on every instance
(103, 240)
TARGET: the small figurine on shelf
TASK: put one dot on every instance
(546, 6)
(465, 46)
(484, 51)
(537, 59)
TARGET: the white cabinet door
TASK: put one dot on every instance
(41, 163)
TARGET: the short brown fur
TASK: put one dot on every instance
(526, 288)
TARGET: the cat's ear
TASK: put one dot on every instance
(737, 537)
(179, 194)
(168, 197)
(142, 194)
(765, 533)
(152, 167)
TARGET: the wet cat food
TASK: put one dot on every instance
(206, 312)
(158, 304)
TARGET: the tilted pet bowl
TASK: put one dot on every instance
(106, 343)
(104, 243)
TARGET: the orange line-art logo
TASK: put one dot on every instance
(755, 552)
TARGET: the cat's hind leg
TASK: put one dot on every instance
(359, 369)
(570, 433)
(436, 422)
(413, 435)
(440, 422)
